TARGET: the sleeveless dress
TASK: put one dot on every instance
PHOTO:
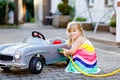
(85, 58)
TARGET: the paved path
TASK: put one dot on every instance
(108, 57)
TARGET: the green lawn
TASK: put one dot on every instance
(7, 26)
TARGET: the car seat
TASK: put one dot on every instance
(57, 41)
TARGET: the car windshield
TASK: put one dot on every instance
(35, 41)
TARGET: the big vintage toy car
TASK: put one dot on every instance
(32, 53)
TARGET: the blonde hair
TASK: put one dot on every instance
(71, 25)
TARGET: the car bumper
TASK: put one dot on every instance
(12, 64)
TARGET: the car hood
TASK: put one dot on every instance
(10, 50)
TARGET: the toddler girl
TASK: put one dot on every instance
(81, 51)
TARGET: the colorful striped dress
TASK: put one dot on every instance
(84, 58)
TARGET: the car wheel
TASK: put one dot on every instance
(36, 65)
(5, 68)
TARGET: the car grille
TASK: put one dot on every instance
(6, 58)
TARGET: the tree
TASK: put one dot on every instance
(5, 7)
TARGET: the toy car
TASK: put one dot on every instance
(32, 53)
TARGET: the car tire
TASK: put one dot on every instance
(5, 68)
(36, 65)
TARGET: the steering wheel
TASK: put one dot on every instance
(38, 34)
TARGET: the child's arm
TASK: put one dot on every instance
(74, 48)
(76, 45)
(71, 51)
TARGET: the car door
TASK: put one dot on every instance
(54, 55)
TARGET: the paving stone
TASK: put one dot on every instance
(11, 79)
(108, 58)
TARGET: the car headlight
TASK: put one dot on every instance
(17, 55)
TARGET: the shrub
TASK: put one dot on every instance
(80, 19)
(64, 7)
(113, 23)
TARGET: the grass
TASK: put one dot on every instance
(8, 26)
(32, 20)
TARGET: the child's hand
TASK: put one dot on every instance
(63, 51)
(66, 51)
